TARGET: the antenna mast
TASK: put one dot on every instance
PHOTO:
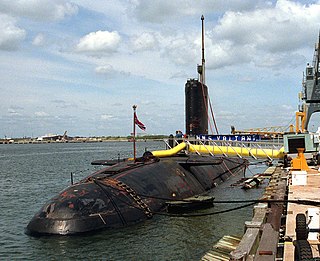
(202, 75)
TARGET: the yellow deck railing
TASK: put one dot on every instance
(238, 149)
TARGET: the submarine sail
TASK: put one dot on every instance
(196, 96)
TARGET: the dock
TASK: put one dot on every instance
(271, 233)
(310, 191)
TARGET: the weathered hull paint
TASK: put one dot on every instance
(128, 193)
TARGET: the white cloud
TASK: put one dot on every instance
(145, 41)
(223, 53)
(265, 36)
(13, 112)
(106, 117)
(159, 11)
(246, 79)
(10, 35)
(100, 42)
(105, 69)
(179, 75)
(109, 71)
(39, 40)
(285, 21)
(180, 49)
(63, 104)
(41, 114)
(44, 10)
(287, 107)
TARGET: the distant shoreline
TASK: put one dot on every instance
(82, 140)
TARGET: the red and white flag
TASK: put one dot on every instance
(139, 123)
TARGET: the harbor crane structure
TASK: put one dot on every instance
(310, 95)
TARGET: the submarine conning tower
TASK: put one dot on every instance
(196, 95)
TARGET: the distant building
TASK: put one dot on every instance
(54, 137)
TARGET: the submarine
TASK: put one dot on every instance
(130, 191)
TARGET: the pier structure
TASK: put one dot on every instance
(302, 186)
(274, 232)
(261, 238)
(286, 220)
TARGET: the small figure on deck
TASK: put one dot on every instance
(286, 161)
(171, 141)
(179, 136)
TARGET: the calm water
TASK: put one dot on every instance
(32, 173)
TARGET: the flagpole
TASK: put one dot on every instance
(134, 132)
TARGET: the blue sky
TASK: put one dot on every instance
(81, 65)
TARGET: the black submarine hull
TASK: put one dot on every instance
(130, 192)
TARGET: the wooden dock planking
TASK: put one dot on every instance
(221, 250)
(267, 249)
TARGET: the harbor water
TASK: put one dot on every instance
(33, 173)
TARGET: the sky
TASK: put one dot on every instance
(80, 66)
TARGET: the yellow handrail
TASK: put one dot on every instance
(226, 150)
(236, 151)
